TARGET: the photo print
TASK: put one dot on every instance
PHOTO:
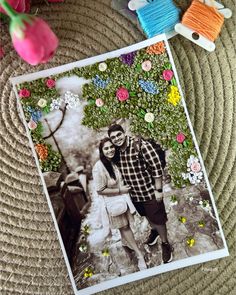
(120, 166)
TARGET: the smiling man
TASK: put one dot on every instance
(141, 169)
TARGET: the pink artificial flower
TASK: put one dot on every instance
(167, 75)
(196, 167)
(122, 94)
(147, 65)
(99, 102)
(1, 52)
(50, 83)
(24, 93)
(180, 137)
(18, 5)
(32, 125)
(38, 43)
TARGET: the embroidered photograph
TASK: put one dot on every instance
(120, 166)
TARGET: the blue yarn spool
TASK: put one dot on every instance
(159, 16)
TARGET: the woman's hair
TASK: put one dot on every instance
(108, 163)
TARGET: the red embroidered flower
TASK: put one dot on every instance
(50, 83)
(167, 75)
(122, 94)
(24, 93)
(180, 137)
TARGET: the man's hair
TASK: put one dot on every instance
(115, 127)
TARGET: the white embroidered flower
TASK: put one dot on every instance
(72, 100)
(102, 67)
(42, 103)
(149, 117)
(194, 170)
(55, 104)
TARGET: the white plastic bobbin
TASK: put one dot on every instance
(136, 4)
(197, 38)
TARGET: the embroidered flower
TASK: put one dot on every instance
(174, 96)
(99, 102)
(55, 104)
(122, 94)
(196, 167)
(194, 174)
(71, 100)
(106, 252)
(147, 65)
(182, 219)
(148, 86)
(42, 151)
(36, 115)
(128, 58)
(149, 117)
(50, 83)
(201, 223)
(157, 48)
(167, 75)
(180, 137)
(100, 83)
(24, 93)
(88, 272)
(102, 67)
(190, 242)
(32, 125)
(42, 103)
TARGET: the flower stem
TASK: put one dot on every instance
(8, 9)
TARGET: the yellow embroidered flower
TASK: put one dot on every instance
(174, 96)
(182, 219)
(191, 242)
(106, 252)
(88, 272)
(201, 223)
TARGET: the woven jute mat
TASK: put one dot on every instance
(31, 258)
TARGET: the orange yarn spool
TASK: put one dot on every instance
(204, 20)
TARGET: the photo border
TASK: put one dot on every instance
(154, 270)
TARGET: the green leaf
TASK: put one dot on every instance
(127, 85)
(173, 82)
(138, 68)
(132, 94)
(46, 109)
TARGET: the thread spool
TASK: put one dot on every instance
(202, 23)
(158, 16)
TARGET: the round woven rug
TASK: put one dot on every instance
(31, 258)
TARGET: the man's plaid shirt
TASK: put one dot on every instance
(138, 168)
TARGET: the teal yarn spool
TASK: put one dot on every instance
(159, 16)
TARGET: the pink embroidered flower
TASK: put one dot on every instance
(24, 93)
(196, 167)
(167, 75)
(180, 137)
(99, 102)
(18, 5)
(147, 65)
(32, 125)
(35, 42)
(50, 83)
(1, 52)
(122, 94)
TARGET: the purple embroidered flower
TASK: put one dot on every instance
(128, 58)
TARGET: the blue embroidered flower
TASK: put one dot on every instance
(148, 86)
(36, 115)
(99, 83)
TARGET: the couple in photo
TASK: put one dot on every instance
(128, 176)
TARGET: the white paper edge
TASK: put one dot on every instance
(154, 270)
